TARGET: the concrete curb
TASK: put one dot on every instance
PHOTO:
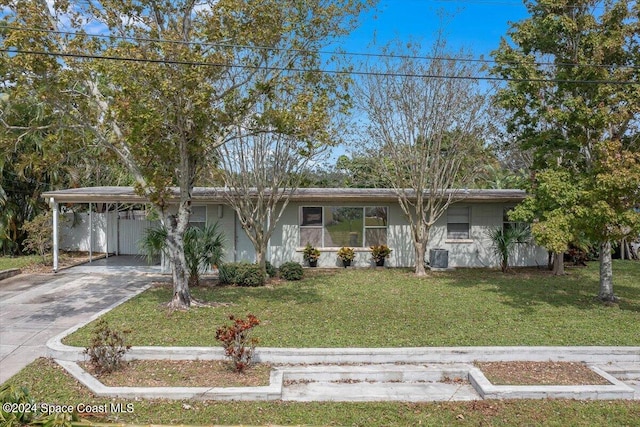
(380, 383)
(408, 355)
(5, 274)
(271, 392)
(487, 390)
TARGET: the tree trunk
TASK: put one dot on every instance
(421, 249)
(179, 270)
(558, 264)
(261, 259)
(606, 274)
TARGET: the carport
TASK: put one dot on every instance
(109, 198)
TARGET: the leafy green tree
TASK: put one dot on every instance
(35, 158)
(165, 83)
(573, 99)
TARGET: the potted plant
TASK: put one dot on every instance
(379, 253)
(311, 255)
(346, 255)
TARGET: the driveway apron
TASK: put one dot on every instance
(35, 308)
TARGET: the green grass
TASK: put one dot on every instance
(7, 262)
(48, 383)
(392, 308)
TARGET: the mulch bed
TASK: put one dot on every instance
(540, 373)
(183, 373)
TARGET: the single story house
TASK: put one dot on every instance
(327, 218)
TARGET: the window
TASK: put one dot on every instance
(311, 226)
(198, 216)
(458, 223)
(337, 226)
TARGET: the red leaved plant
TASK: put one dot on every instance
(238, 345)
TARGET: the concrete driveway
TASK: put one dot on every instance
(35, 308)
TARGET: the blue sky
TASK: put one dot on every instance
(476, 25)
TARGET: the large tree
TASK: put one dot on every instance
(573, 98)
(163, 84)
(424, 122)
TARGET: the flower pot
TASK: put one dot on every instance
(346, 263)
(380, 263)
(313, 263)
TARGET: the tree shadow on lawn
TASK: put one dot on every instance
(527, 288)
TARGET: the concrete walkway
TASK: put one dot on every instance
(35, 308)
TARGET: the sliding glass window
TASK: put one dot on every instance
(337, 226)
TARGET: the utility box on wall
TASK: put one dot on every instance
(439, 258)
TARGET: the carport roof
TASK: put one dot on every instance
(203, 195)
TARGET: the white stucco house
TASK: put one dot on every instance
(327, 218)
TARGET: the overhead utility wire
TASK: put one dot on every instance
(303, 70)
(322, 52)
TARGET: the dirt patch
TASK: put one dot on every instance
(65, 259)
(540, 373)
(183, 373)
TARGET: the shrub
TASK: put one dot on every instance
(241, 274)
(236, 340)
(203, 247)
(39, 232)
(291, 271)
(271, 270)
(107, 349)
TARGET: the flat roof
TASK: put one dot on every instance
(113, 194)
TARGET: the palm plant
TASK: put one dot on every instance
(202, 247)
(504, 239)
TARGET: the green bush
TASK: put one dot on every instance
(291, 271)
(271, 270)
(241, 274)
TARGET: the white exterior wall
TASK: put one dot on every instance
(477, 250)
(285, 241)
(108, 233)
(473, 252)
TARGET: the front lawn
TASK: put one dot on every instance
(392, 308)
(7, 262)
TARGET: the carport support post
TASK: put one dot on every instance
(54, 207)
(90, 232)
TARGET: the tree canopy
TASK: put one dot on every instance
(573, 99)
(162, 84)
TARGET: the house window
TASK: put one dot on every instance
(337, 226)
(458, 223)
(198, 216)
(311, 226)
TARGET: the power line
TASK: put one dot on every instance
(320, 52)
(303, 70)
